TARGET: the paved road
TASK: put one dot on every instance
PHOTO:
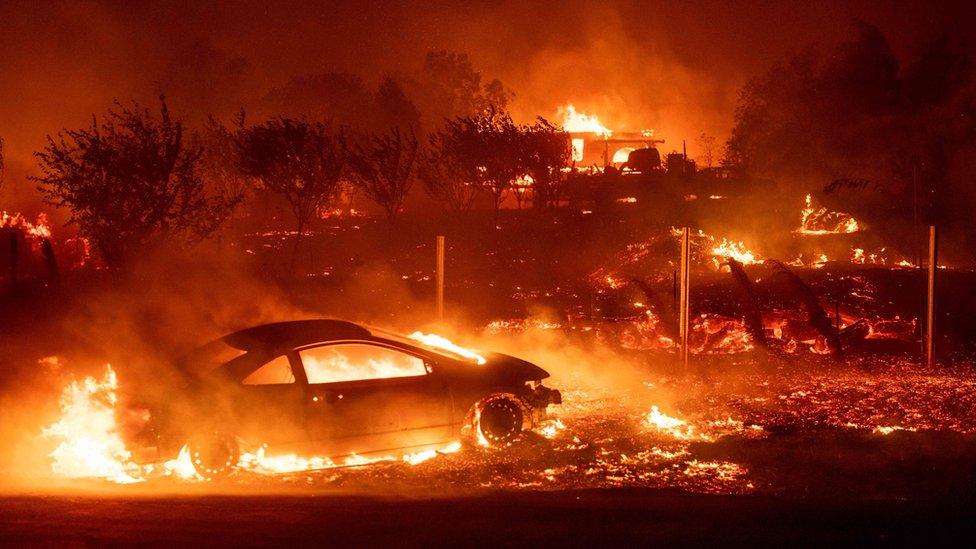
(602, 517)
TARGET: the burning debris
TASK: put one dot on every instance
(820, 221)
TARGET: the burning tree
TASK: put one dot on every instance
(545, 151)
(129, 180)
(385, 168)
(299, 160)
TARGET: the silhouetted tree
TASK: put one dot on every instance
(393, 109)
(853, 113)
(487, 149)
(299, 160)
(384, 169)
(220, 161)
(130, 179)
(545, 152)
(445, 178)
(450, 88)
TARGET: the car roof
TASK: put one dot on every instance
(294, 333)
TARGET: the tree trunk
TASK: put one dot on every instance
(294, 250)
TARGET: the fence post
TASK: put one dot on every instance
(440, 278)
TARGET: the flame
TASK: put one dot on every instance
(577, 122)
(441, 342)
(735, 250)
(91, 446)
(39, 230)
(551, 428)
(725, 249)
(814, 221)
(336, 367)
(262, 463)
(90, 442)
(673, 426)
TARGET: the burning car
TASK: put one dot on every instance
(334, 388)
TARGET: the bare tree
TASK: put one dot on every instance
(385, 169)
(130, 179)
(299, 160)
(707, 145)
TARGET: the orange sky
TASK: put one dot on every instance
(674, 67)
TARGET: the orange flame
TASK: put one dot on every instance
(815, 221)
(577, 122)
(38, 230)
(92, 447)
(441, 342)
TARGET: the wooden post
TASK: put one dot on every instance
(930, 303)
(440, 278)
(684, 309)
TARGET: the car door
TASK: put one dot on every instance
(269, 404)
(367, 398)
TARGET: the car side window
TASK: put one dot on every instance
(357, 361)
(276, 372)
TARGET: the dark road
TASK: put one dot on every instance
(584, 518)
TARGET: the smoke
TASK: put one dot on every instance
(674, 68)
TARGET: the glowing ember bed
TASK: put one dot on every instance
(337, 390)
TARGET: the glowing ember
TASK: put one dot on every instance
(441, 342)
(815, 221)
(551, 428)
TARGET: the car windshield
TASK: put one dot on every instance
(433, 343)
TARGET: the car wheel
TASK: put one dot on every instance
(498, 421)
(215, 455)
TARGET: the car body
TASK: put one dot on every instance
(335, 388)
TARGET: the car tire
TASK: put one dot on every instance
(498, 421)
(214, 455)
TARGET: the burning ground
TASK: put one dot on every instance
(781, 420)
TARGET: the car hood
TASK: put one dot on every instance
(511, 369)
